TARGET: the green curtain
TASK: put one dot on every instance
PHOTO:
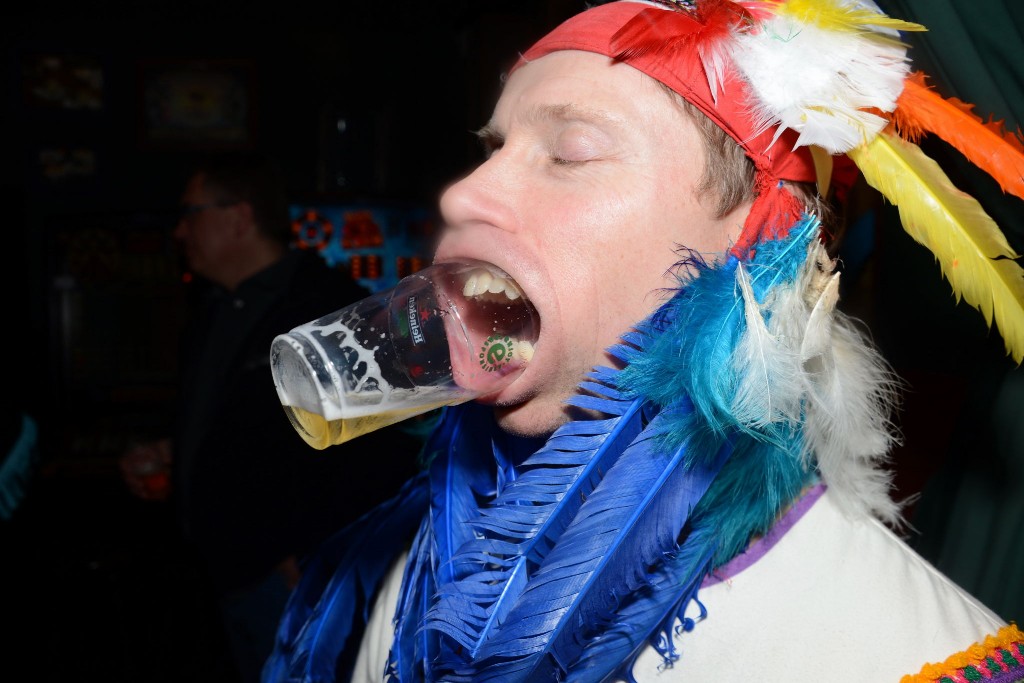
(969, 520)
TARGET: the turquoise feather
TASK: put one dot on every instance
(707, 313)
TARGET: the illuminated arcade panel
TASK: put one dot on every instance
(378, 245)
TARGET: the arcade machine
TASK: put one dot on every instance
(378, 244)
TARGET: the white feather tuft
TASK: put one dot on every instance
(714, 59)
(819, 82)
(847, 427)
(769, 387)
(822, 372)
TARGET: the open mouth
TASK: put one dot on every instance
(492, 328)
(496, 307)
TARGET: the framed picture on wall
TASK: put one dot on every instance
(201, 104)
(63, 81)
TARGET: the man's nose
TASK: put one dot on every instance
(490, 195)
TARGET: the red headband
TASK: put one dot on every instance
(665, 45)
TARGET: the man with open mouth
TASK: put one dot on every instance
(687, 481)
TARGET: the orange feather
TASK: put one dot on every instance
(989, 146)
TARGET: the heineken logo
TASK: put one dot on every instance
(414, 322)
(496, 352)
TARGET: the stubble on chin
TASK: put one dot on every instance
(532, 418)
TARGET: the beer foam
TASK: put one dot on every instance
(389, 398)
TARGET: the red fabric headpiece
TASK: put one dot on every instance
(665, 44)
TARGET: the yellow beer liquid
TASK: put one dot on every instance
(320, 433)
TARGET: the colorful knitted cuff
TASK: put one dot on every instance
(1000, 659)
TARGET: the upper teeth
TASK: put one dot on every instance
(482, 282)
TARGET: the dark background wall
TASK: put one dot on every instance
(358, 101)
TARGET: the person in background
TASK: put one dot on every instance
(688, 482)
(252, 498)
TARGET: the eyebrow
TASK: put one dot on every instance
(492, 137)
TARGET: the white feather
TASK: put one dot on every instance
(819, 82)
(817, 335)
(830, 379)
(714, 59)
(850, 397)
(847, 427)
(769, 386)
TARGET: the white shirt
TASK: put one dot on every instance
(824, 598)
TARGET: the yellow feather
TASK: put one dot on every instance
(970, 248)
(833, 16)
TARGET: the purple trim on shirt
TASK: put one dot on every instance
(1009, 676)
(761, 546)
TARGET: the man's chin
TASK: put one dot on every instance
(531, 418)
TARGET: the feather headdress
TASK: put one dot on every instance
(798, 82)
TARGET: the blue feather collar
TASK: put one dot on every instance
(566, 565)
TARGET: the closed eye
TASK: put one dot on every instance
(575, 144)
